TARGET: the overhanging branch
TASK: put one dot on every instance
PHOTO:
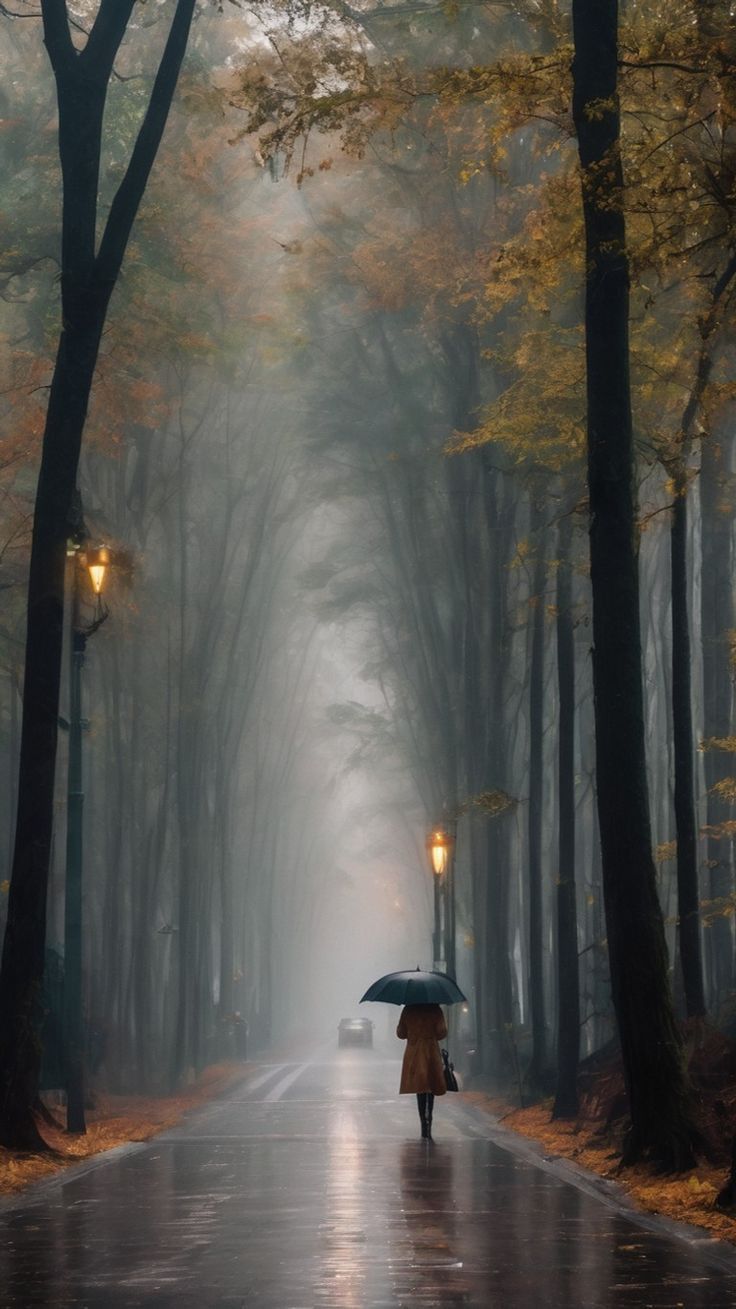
(130, 192)
(56, 34)
(106, 35)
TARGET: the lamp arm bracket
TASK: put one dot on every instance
(90, 628)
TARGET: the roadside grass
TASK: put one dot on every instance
(114, 1120)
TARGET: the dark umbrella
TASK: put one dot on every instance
(415, 987)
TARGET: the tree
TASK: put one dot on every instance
(688, 899)
(716, 623)
(568, 987)
(538, 1064)
(675, 227)
(659, 1102)
(89, 272)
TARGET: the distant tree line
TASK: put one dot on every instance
(495, 315)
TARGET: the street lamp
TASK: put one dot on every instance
(97, 563)
(441, 849)
(89, 568)
(438, 850)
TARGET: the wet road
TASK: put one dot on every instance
(309, 1188)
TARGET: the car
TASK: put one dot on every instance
(355, 1031)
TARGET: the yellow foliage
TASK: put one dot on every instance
(493, 803)
(665, 851)
(722, 907)
(725, 789)
(726, 743)
(678, 112)
(720, 831)
(523, 552)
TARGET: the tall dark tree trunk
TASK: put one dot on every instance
(538, 1065)
(659, 1100)
(568, 973)
(717, 620)
(500, 1007)
(688, 896)
(462, 350)
(688, 892)
(88, 277)
(25, 933)
(116, 815)
(13, 749)
(499, 1052)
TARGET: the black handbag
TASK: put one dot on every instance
(449, 1071)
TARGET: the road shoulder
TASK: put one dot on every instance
(118, 1125)
(620, 1193)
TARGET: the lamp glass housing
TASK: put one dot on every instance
(98, 562)
(439, 852)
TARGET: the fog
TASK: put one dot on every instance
(335, 450)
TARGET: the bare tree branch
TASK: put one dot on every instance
(56, 33)
(130, 192)
(106, 35)
(13, 13)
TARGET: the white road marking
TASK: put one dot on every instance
(284, 1084)
(266, 1077)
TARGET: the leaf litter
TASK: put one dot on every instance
(113, 1121)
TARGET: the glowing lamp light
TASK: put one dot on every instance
(98, 562)
(439, 851)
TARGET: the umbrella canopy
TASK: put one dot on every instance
(415, 987)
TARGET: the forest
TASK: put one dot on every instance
(385, 349)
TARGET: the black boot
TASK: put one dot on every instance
(428, 1116)
(422, 1107)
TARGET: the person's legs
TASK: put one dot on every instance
(428, 1112)
(422, 1107)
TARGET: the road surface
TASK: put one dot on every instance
(309, 1187)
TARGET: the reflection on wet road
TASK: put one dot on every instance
(309, 1188)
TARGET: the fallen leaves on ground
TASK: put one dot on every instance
(688, 1198)
(115, 1120)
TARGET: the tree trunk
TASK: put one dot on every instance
(21, 974)
(659, 1099)
(87, 281)
(688, 897)
(717, 620)
(568, 981)
(537, 1067)
(499, 1053)
(500, 1007)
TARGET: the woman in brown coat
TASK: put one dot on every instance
(422, 1074)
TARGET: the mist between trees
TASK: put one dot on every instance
(337, 445)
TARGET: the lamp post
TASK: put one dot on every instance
(441, 846)
(450, 956)
(438, 851)
(95, 564)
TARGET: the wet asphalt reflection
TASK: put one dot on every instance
(309, 1188)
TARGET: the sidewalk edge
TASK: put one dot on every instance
(711, 1249)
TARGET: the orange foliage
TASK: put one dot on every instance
(687, 1198)
(115, 1120)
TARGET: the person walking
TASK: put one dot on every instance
(422, 1074)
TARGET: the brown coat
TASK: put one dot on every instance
(422, 1026)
